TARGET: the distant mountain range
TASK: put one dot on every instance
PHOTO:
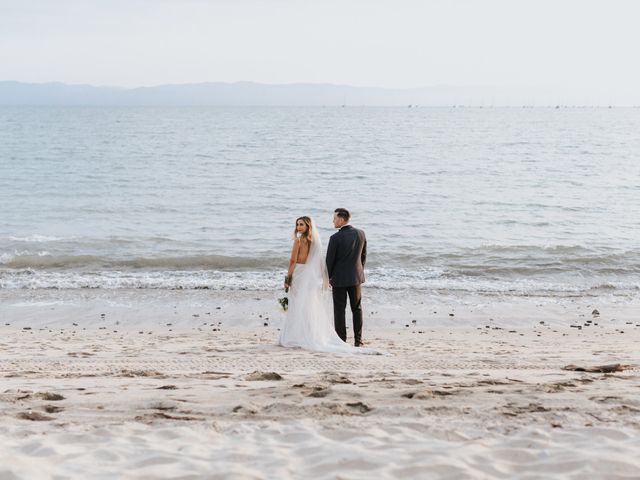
(299, 94)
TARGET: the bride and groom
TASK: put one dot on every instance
(308, 321)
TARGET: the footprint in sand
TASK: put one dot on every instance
(319, 392)
(359, 407)
(34, 416)
(261, 376)
(52, 408)
(50, 397)
(80, 354)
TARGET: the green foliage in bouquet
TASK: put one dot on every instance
(284, 303)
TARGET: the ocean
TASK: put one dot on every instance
(488, 201)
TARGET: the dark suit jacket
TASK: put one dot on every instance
(346, 256)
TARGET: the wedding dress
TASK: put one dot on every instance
(309, 318)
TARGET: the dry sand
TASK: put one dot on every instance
(218, 402)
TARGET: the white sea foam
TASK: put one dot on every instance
(36, 238)
(268, 280)
(7, 258)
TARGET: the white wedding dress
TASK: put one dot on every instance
(309, 318)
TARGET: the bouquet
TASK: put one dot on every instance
(284, 301)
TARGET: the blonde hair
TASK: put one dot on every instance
(307, 222)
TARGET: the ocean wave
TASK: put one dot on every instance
(212, 262)
(520, 259)
(270, 280)
(495, 262)
(7, 258)
(36, 238)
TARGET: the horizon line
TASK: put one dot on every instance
(300, 94)
(254, 82)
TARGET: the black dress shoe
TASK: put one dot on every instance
(359, 344)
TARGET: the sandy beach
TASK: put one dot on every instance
(206, 399)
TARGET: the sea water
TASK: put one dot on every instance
(508, 201)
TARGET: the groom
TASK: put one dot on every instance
(346, 255)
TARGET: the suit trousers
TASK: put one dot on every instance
(340, 303)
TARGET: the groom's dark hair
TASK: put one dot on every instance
(343, 213)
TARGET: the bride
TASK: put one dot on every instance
(309, 318)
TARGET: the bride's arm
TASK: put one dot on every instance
(292, 261)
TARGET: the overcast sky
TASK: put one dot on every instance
(387, 43)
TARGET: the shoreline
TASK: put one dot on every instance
(247, 309)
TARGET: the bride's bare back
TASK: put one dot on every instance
(303, 247)
(299, 255)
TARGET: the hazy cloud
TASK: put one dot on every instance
(588, 45)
